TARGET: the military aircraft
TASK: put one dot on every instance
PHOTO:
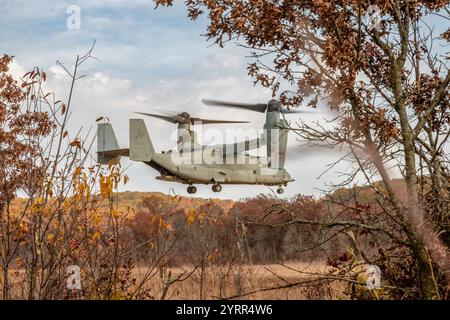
(193, 163)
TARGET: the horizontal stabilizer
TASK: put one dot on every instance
(117, 152)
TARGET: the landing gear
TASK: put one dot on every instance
(191, 189)
(280, 190)
(216, 187)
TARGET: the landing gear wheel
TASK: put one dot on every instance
(280, 190)
(216, 187)
(191, 189)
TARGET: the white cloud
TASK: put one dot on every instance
(223, 60)
(16, 70)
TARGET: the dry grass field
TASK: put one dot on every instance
(246, 282)
(230, 282)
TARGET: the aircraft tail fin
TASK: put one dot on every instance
(107, 146)
(141, 147)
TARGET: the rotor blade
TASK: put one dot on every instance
(288, 111)
(211, 121)
(243, 146)
(237, 147)
(165, 112)
(258, 107)
(166, 118)
(301, 151)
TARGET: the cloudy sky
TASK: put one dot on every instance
(147, 59)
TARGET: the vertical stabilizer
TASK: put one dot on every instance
(107, 146)
(141, 147)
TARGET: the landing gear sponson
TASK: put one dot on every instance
(216, 187)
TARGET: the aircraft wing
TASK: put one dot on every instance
(238, 147)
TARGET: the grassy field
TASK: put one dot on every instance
(226, 282)
(243, 282)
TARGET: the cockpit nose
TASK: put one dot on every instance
(286, 176)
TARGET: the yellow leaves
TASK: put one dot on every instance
(23, 227)
(111, 164)
(77, 172)
(163, 226)
(160, 225)
(117, 296)
(48, 187)
(81, 188)
(190, 217)
(106, 187)
(36, 205)
(110, 182)
(96, 235)
(115, 213)
(50, 237)
(67, 204)
(97, 219)
(88, 192)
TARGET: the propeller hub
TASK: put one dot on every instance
(183, 118)
(273, 105)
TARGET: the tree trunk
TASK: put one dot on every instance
(414, 214)
(411, 218)
(5, 282)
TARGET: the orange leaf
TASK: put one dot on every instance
(76, 143)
